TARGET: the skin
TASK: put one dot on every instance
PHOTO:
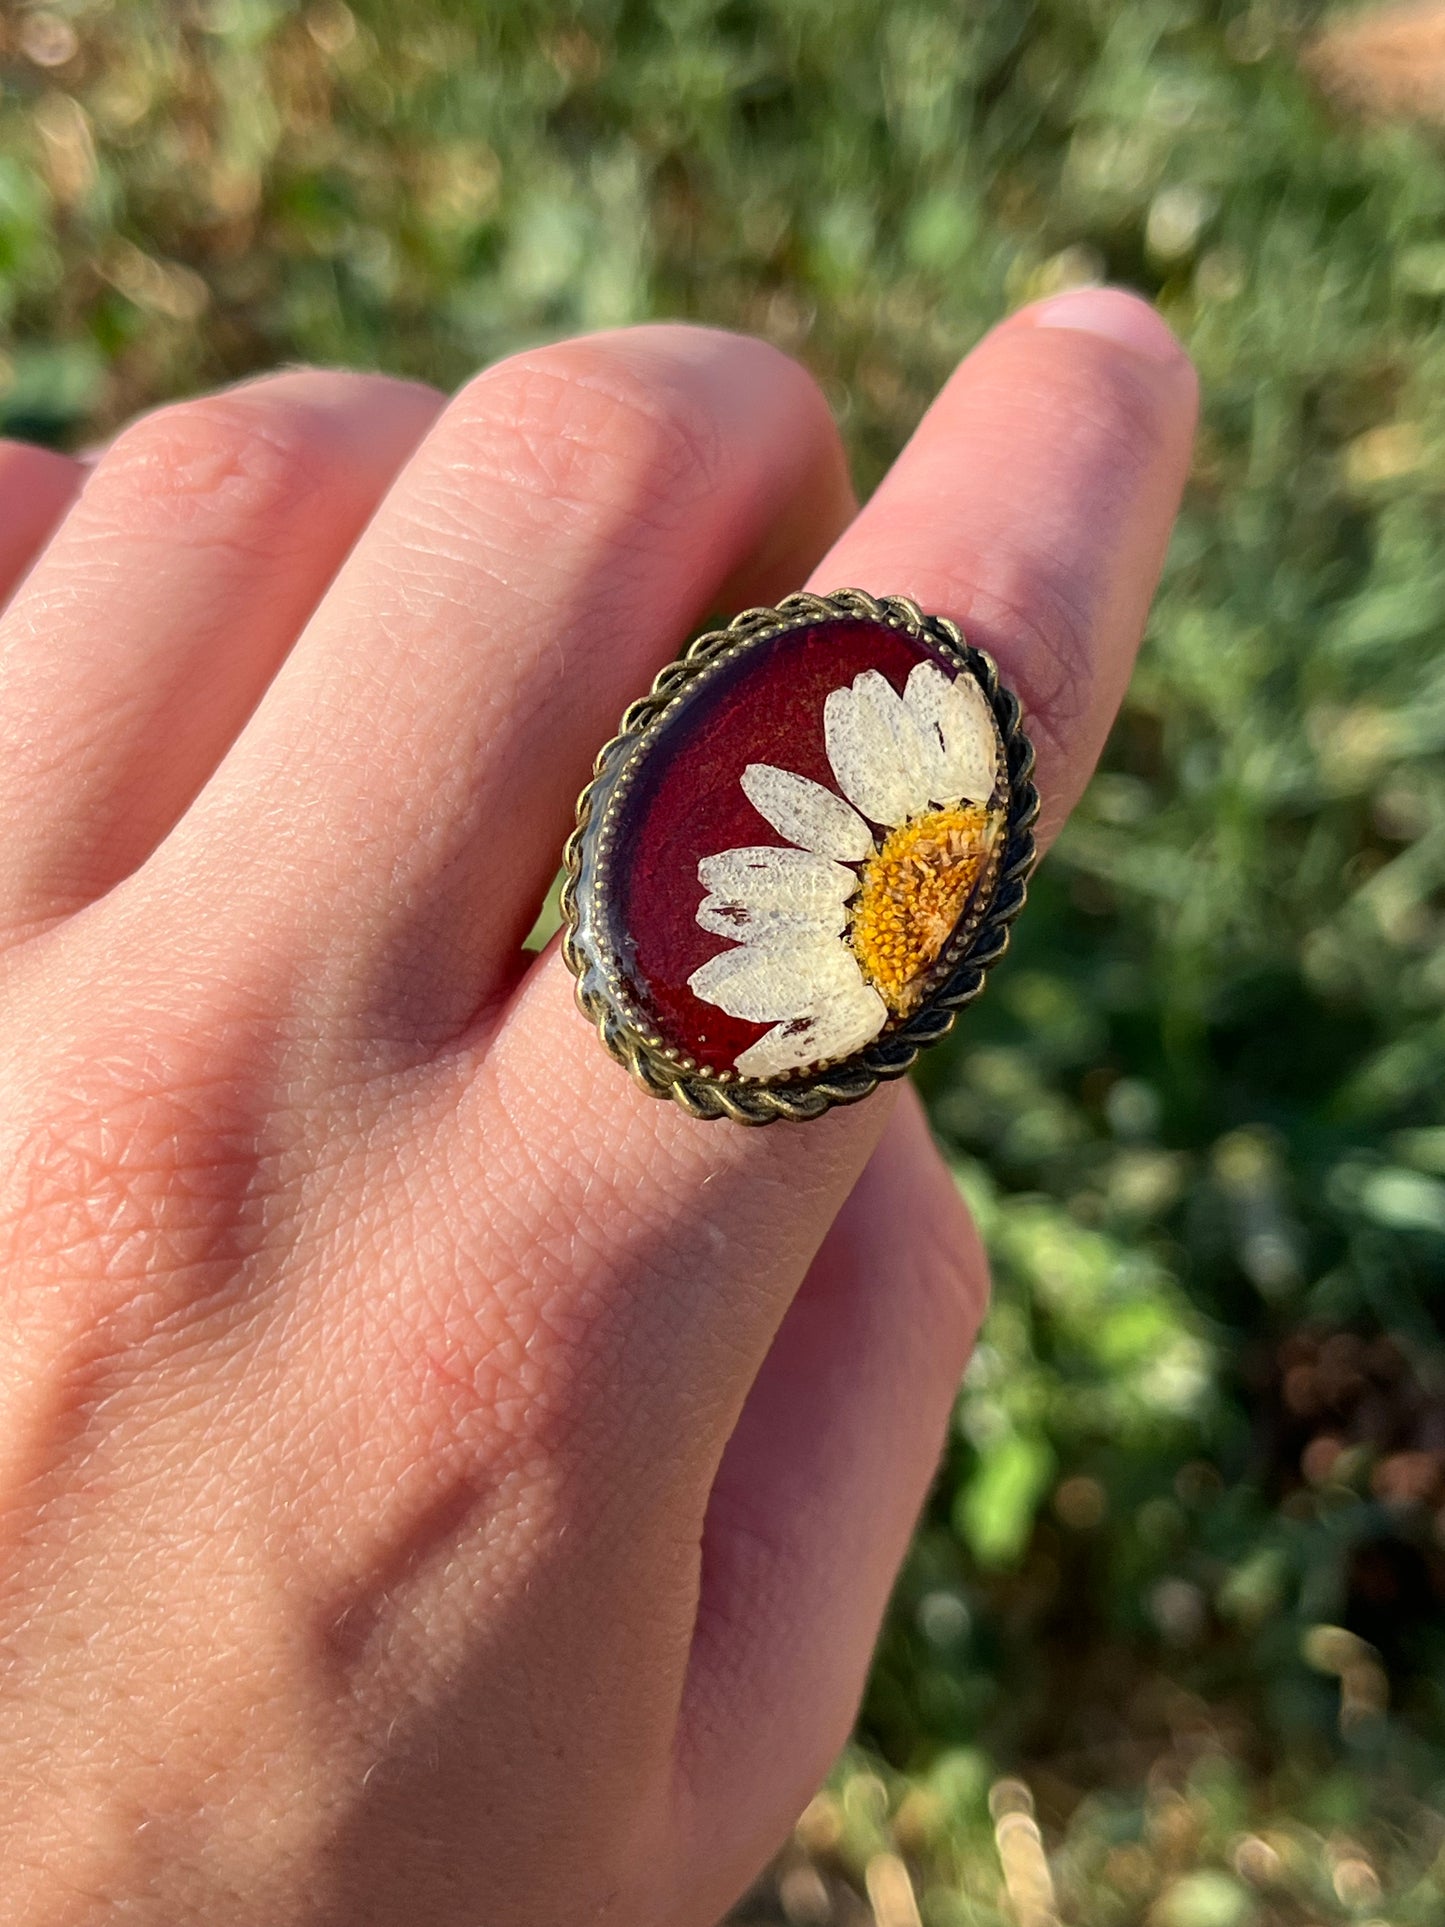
(437, 1481)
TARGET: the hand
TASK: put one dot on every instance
(438, 1482)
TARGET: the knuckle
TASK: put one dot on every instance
(584, 430)
(1038, 617)
(1054, 628)
(801, 399)
(236, 467)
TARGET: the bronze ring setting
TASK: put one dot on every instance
(799, 856)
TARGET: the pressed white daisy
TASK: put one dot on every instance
(835, 936)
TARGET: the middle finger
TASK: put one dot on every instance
(576, 511)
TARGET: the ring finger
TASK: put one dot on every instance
(146, 632)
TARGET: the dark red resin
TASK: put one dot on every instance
(686, 802)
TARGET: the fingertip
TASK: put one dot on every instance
(1115, 315)
(1033, 507)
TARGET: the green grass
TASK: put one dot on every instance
(1199, 1110)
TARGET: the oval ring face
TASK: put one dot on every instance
(797, 859)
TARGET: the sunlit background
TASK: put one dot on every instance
(1170, 1648)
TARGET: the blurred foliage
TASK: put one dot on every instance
(1184, 1571)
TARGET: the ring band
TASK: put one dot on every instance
(799, 856)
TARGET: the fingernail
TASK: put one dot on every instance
(1112, 313)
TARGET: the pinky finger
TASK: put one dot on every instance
(818, 1491)
(36, 488)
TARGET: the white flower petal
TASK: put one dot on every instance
(913, 753)
(923, 758)
(864, 730)
(773, 879)
(787, 973)
(806, 813)
(836, 1028)
(726, 917)
(955, 718)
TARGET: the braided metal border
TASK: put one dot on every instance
(979, 945)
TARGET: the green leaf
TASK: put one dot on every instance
(995, 1511)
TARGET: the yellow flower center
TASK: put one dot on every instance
(912, 894)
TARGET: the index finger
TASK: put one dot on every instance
(1033, 506)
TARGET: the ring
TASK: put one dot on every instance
(797, 859)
